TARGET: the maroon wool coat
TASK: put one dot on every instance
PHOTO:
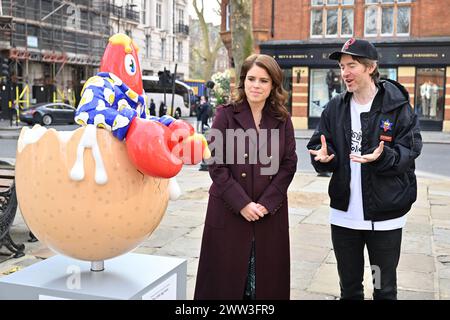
(227, 235)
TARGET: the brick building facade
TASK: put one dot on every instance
(412, 37)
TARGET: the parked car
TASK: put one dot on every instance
(48, 113)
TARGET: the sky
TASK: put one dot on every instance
(210, 15)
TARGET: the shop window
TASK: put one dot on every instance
(388, 73)
(325, 83)
(429, 102)
(387, 17)
(287, 85)
(332, 18)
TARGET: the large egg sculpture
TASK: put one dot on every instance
(81, 196)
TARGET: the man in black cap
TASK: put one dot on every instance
(368, 137)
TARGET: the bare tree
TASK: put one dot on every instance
(207, 54)
(241, 32)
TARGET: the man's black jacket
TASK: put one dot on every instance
(389, 186)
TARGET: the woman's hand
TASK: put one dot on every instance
(262, 208)
(251, 212)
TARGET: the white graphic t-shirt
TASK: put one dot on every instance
(353, 218)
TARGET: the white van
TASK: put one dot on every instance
(183, 94)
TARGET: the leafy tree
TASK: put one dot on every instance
(222, 87)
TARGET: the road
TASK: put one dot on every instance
(434, 160)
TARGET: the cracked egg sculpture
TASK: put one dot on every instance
(97, 192)
(108, 213)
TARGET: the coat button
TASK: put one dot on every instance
(270, 177)
(243, 174)
(245, 155)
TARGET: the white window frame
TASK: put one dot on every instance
(148, 46)
(180, 14)
(180, 51)
(163, 49)
(227, 17)
(144, 4)
(158, 15)
(324, 8)
(379, 5)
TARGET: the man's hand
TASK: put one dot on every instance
(369, 157)
(322, 154)
(251, 212)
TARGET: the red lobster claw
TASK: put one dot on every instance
(148, 149)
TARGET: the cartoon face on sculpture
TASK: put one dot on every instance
(98, 191)
(121, 59)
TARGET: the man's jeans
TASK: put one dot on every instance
(384, 253)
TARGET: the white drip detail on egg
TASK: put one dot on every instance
(174, 189)
(89, 140)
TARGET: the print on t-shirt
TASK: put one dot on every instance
(356, 141)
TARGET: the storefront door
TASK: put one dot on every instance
(429, 102)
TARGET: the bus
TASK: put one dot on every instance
(198, 86)
(183, 96)
(199, 89)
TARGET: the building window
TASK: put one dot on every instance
(163, 49)
(148, 46)
(144, 12)
(180, 14)
(180, 51)
(387, 17)
(429, 102)
(158, 15)
(332, 18)
(227, 17)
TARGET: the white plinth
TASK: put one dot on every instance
(130, 276)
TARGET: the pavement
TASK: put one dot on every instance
(423, 272)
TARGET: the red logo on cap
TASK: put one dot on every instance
(348, 43)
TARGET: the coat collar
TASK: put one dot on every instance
(243, 115)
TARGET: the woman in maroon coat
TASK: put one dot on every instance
(245, 246)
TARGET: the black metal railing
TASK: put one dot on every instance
(182, 28)
(123, 12)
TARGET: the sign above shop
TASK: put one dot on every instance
(391, 54)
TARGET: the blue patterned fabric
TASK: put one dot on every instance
(109, 103)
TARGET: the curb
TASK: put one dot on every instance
(9, 136)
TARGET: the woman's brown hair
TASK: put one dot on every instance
(278, 95)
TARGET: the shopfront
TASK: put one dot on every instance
(421, 67)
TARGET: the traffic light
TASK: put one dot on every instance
(165, 78)
(4, 70)
(210, 84)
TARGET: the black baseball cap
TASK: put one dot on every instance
(357, 48)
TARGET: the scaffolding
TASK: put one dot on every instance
(54, 33)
